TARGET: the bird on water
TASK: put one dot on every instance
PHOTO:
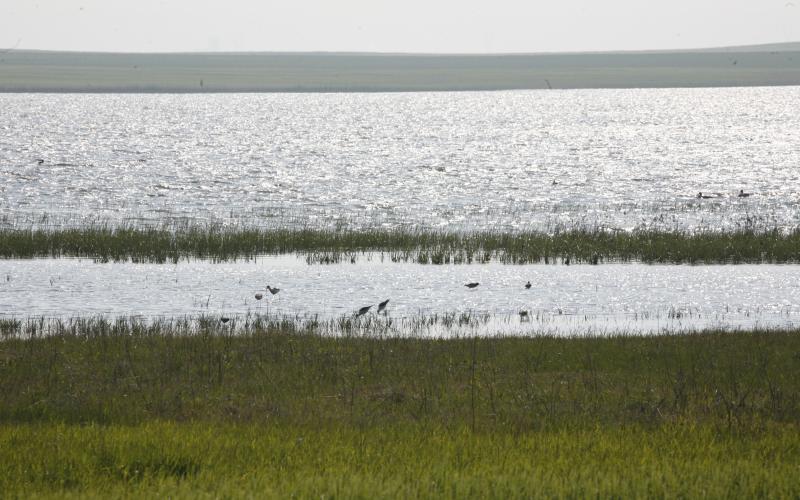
(364, 310)
(273, 291)
(742, 194)
(528, 285)
(224, 319)
(382, 305)
(259, 296)
(471, 285)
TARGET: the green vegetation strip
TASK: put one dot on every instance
(423, 246)
(122, 408)
(200, 460)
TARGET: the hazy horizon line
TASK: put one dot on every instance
(759, 47)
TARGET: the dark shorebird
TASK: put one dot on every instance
(259, 296)
(224, 319)
(471, 285)
(382, 305)
(364, 310)
(273, 291)
(528, 285)
(40, 161)
(523, 315)
(742, 194)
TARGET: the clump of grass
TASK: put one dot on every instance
(108, 243)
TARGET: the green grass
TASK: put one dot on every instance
(424, 246)
(191, 460)
(187, 409)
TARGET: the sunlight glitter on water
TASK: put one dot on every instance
(543, 160)
(562, 299)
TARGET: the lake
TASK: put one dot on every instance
(500, 161)
(544, 160)
(577, 299)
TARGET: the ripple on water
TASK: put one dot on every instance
(471, 160)
(562, 299)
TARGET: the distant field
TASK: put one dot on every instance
(45, 71)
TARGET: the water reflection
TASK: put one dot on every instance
(573, 299)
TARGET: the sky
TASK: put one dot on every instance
(429, 26)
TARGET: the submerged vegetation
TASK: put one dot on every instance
(178, 408)
(424, 246)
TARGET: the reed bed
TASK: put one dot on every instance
(180, 408)
(595, 246)
(131, 371)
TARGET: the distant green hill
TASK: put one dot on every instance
(46, 71)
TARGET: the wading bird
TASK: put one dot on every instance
(273, 291)
(224, 319)
(742, 194)
(382, 305)
(528, 285)
(363, 310)
(471, 285)
(259, 296)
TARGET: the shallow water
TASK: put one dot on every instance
(562, 300)
(473, 160)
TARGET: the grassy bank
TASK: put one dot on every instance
(435, 247)
(119, 408)
(127, 371)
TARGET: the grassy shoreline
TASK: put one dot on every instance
(129, 371)
(422, 246)
(115, 409)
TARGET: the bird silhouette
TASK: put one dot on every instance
(742, 194)
(259, 296)
(528, 285)
(224, 319)
(363, 310)
(471, 285)
(382, 305)
(273, 291)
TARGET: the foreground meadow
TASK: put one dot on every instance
(99, 408)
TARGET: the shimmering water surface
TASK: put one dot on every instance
(562, 299)
(499, 160)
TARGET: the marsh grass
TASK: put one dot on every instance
(197, 408)
(131, 371)
(110, 243)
